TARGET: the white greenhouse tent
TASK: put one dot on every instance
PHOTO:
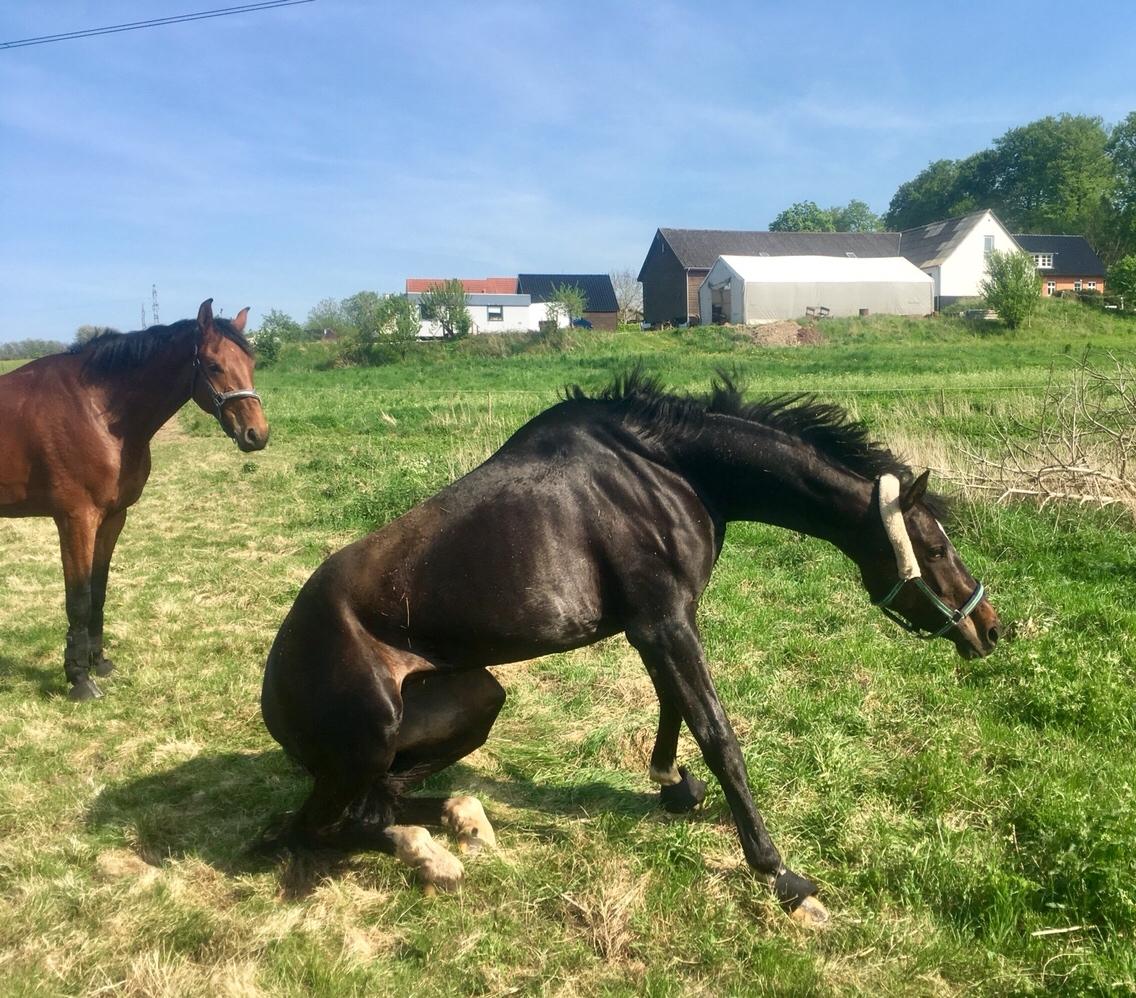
(754, 289)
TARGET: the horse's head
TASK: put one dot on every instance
(918, 579)
(222, 378)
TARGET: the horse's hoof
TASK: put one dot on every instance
(437, 867)
(465, 818)
(686, 795)
(84, 689)
(810, 914)
(103, 667)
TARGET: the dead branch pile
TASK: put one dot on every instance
(1082, 448)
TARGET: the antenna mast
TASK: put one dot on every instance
(154, 303)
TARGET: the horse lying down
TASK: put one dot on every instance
(601, 515)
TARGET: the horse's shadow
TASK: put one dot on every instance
(47, 681)
(216, 807)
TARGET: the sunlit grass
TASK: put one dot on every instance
(970, 824)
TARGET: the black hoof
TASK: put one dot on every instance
(791, 889)
(103, 667)
(277, 839)
(683, 796)
(84, 689)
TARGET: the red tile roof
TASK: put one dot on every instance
(472, 285)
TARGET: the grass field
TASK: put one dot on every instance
(972, 824)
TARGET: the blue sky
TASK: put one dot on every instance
(272, 159)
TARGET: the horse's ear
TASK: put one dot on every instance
(205, 314)
(915, 491)
(239, 321)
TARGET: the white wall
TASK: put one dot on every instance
(516, 319)
(960, 273)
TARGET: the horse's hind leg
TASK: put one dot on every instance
(105, 540)
(679, 790)
(77, 546)
(446, 715)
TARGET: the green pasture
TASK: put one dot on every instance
(972, 824)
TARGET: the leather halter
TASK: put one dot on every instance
(911, 574)
(219, 398)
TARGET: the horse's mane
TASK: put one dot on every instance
(115, 351)
(642, 400)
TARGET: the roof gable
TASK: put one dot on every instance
(599, 295)
(929, 245)
(1072, 255)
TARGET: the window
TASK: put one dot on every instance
(1043, 260)
(987, 245)
(1077, 284)
(1050, 287)
(495, 313)
(1091, 286)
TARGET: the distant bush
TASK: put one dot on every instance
(30, 349)
(957, 308)
(1011, 287)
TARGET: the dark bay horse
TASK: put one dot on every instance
(601, 515)
(75, 432)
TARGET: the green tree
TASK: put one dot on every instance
(1118, 238)
(385, 326)
(1054, 175)
(1122, 280)
(86, 333)
(804, 216)
(446, 304)
(567, 300)
(1011, 286)
(856, 216)
(279, 325)
(327, 315)
(30, 349)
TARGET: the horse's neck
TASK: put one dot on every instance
(749, 472)
(141, 399)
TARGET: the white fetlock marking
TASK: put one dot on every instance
(664, 777)
(435, 864)
(465, 818)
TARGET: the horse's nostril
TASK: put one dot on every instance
(992, 635)
(251, 436)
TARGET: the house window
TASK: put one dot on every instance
(1043, 260)
(1077, 285)
(495, 313)
(1050, 287)
(1091, 286)
(987, 245)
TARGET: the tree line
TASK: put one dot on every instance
(1061, 175)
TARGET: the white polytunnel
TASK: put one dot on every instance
(754, 289)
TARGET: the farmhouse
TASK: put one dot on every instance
(520, 304)
(1065, 263)
(952, 253)
(754, 289)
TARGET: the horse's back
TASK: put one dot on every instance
(546, 546)
(52, 451)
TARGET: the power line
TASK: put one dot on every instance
(153, 23)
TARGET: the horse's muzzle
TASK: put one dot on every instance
(250, 438)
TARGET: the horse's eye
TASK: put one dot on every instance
(937, 554)
(214, 368)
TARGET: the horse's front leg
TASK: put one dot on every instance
(105, 539)
(77, 546)
(672, 652)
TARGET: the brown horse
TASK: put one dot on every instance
(75, 431)
(600, 516)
